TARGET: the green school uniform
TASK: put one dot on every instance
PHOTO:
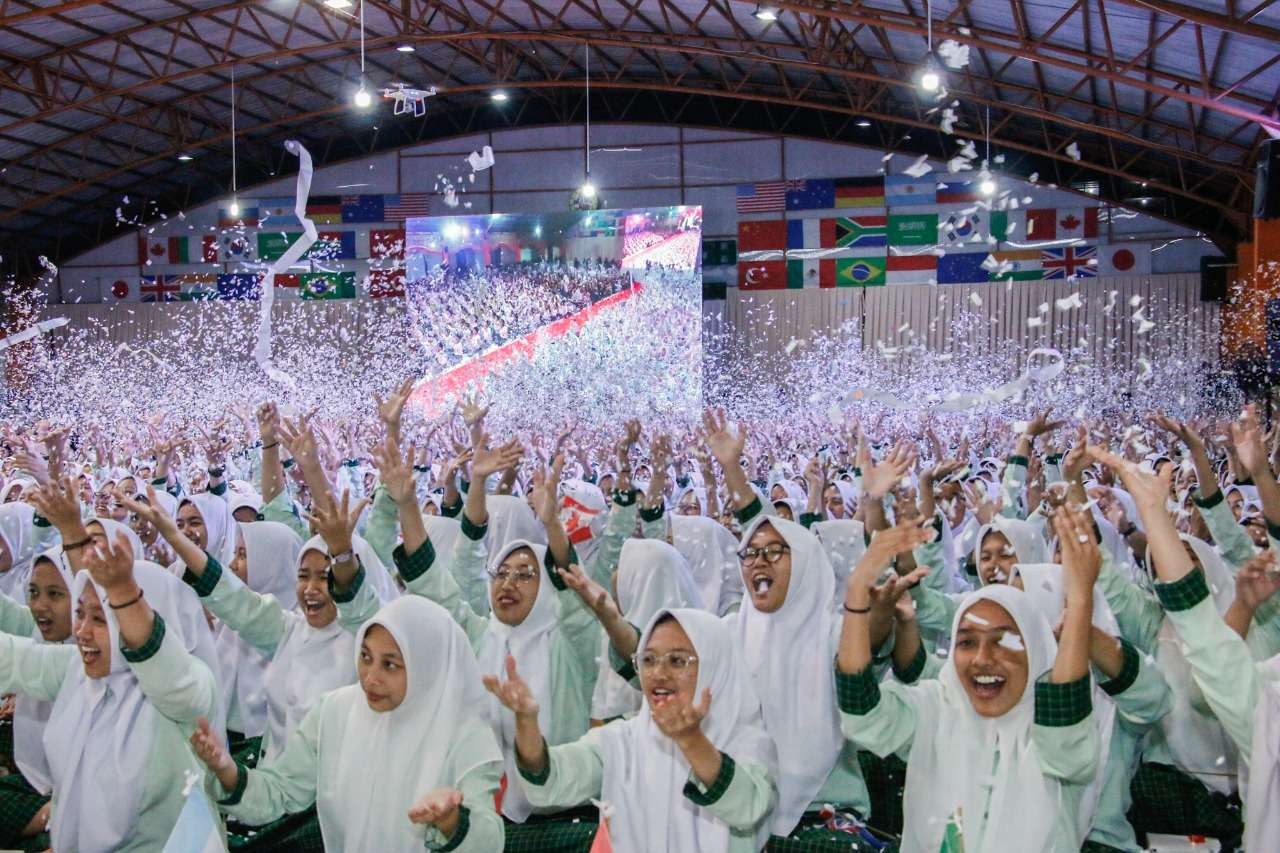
(1233, 543)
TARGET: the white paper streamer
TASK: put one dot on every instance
(262, 350)
(32, 332)
(1043, 365)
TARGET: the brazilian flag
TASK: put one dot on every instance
(327, 285)
(860, 272)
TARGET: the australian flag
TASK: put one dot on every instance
(811, 195)
(362, 208)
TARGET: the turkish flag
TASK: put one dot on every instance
(762, 275)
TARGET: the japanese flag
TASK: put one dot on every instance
(1125, 259)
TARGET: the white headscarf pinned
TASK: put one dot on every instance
(645, 772)
(1025, 539)
(218, 524)
(844, 540)
(712, 554)
(511, 519)
(388, 759)
(789, 653)
(31, 715)
(16, 528)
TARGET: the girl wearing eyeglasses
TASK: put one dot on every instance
(694, 770)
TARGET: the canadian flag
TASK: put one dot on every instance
(1125, 259)
(1077, 222)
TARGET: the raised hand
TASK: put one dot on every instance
(473, 413)
(207, 745)
(300, 440)
(58, 502)
(151, 512)
(487, 460)
(1081, 558)
(1184, 431)
(545, 492)
(1040, 424)
(881, 479)
(30, 461)
(513, 693)
(268, 423)
(110, 564)
(437, 808)
(724, 445)
(391, 410)
(1246, 435)
(595, 596)
(336, 522)
(1148, 490)
(681, 721)
(396, 471)
(1258, 580)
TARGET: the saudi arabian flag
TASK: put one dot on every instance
(953, 836)
(913, 229)
(327, 285)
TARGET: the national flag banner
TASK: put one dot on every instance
(1125, 259)
(911, 269)
(953, 835)
(860, 272)
(398, 208)
(956, 267)
(853, 232)
(719, 253)
(273, 244)
(119, 288)
(811, 273)
(1007, 225)
(913, 229)
(386, 243)
(328, 285)
(859, 192)
(1079, 222)
(811, 233)
(762, 275)
(333, 246)
(762, 197)
(957, 192)
(237, 245)
(162, 250)
(246, 218)
(288, 285)
(362, 208)
(1016, 265)
(812, 195)
(209, 248)
(762, 235)
(904, 191)
(385, 283)
(239, 285)
(325, 209)
(278, 212)
(160, 288)
(1042, 224)
(963, 228)
(1070, 262)
(198, 286)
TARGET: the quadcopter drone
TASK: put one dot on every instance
(408, 99)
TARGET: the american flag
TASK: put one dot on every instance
(398, 208)
(765, 196)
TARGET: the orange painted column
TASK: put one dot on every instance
(1255, 282)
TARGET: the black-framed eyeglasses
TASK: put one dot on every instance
(772, 553)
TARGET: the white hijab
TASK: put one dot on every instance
(712, 554)
(308, 663)
(645, 772)
(99, 736)
(30, 716)
(788, 653)
(844, 540)
(530, 644)
(271, 553)
(1262, 792)
(1024, 537)
(652, 576)
(951, 755)
(388, 759)
(511, 519)
(219, 525)
(16, 528)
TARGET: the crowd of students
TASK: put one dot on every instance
(1034, 636)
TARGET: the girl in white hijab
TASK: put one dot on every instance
(711, 552)
(17, 548)
(46, 618)
(1003, 740)
(651, 576)
(206, 520)
(694, 770)
(393, 763)
(124, 702)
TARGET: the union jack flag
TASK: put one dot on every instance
(1070, 262)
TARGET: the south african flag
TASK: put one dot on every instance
(858, 231)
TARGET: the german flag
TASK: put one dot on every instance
(860, 192)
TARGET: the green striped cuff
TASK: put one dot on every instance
(159, 482)
(1128, 671)
(749, 511)
(1054, 458)
(626, 498)
(1018, 460)
(1184, 593)
(695, 793)
(242, 781)
(651, 514)
(553, 571)
(38, 520)
(219, 490)
(147, 650)
(539, 777)
(459, 834)
(451, 510)
(622, 666)
(415, 565)
(205, 582)
(1211, 501)
(808, 519)
(1273, 530)
(464, 486)
(911, 674)
(1063, 704)
(348, 595)
(471, 530)
(857, 693)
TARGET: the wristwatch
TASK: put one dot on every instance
(345, 557)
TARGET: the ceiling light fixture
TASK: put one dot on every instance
(766, 14)
(405, 48)
(362, 99)
(338, 4)
(499, 97)
(185, 158)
